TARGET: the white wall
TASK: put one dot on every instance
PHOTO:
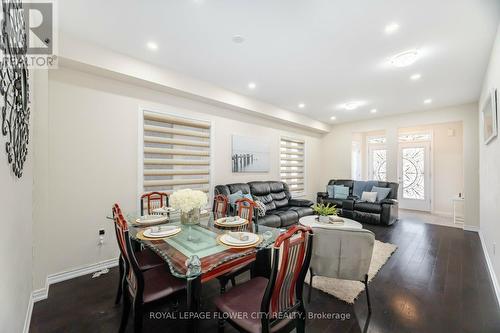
(337, 163)
(16, 237)
(489, 163)
(88, 157)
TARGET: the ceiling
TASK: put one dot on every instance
(322, 53)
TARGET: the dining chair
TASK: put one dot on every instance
(343, 254)
(278, 299)
(153, 200)
(245, 209)
(220, 205)
(142, 288)
(146, 259)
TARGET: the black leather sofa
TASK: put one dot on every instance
(282, 211)
(384, 212)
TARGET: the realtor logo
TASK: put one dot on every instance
(28, 34)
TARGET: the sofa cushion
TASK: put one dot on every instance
(302, 211)
(368, 207)
(287, 217)
(277, 187)
(270, 220)
(244, 188)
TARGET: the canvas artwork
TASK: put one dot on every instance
(489, 112)
(250, 154)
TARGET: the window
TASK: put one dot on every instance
(377, 158)
(415, 137)
(176, 153)
(292, 164)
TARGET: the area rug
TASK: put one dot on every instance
(348, 291)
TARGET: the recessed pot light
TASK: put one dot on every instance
(352, 105)
(301, 105)
(428, 101)
(405, 58)
(252, 85)
(373, 111)
(415, 77)
(152, 46)
(391, 28)
(333, 118)
(238, 39)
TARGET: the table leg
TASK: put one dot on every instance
(193, 302)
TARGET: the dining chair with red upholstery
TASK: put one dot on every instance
(146, 259)
(279, 299)
(142, 288)
(220, 206)
(153, 200)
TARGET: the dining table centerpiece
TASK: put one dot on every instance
(189, 203)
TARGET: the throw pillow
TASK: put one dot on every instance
(340, 192)
(246, 196)
(369, 196)
(233, 197)
(261, 208)
(330, 191)
(382, 192)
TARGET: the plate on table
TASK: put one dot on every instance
(150, 219)
(240, 239)
(163, 210)
(228, 222)
(161, 231)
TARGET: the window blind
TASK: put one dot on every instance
(292, 163)
(176, 153)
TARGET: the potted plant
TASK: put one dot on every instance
(324, 212)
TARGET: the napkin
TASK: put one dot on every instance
(238, 236)
(163, 229)
(335, 219)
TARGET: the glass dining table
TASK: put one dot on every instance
(196, 255)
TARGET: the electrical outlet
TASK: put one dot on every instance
(102, 232)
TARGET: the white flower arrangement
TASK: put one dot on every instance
(186, 200)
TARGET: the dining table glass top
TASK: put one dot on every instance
(196, 249)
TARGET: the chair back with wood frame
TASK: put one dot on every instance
(134, 278)
(290, 261)
(220, 206)
(245, 209)
(153, 200)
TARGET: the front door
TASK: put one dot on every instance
(414, 176)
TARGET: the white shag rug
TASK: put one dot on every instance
(347, 290)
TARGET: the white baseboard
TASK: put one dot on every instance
(444, 214)
(43, 293)
(29, 311)
(473, 228)
(493, 276)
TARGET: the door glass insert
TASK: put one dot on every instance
(379, 164)
(413, 173)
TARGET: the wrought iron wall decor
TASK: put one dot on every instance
(14, 84)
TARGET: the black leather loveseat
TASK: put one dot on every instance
(281, 209)
(381, 212)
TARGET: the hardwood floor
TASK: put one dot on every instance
(437, 281)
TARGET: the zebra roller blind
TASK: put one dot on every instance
(176, 153)
(292, 163)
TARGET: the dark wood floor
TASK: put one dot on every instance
(437, 281)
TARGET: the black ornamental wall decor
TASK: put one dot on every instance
(15, 114)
